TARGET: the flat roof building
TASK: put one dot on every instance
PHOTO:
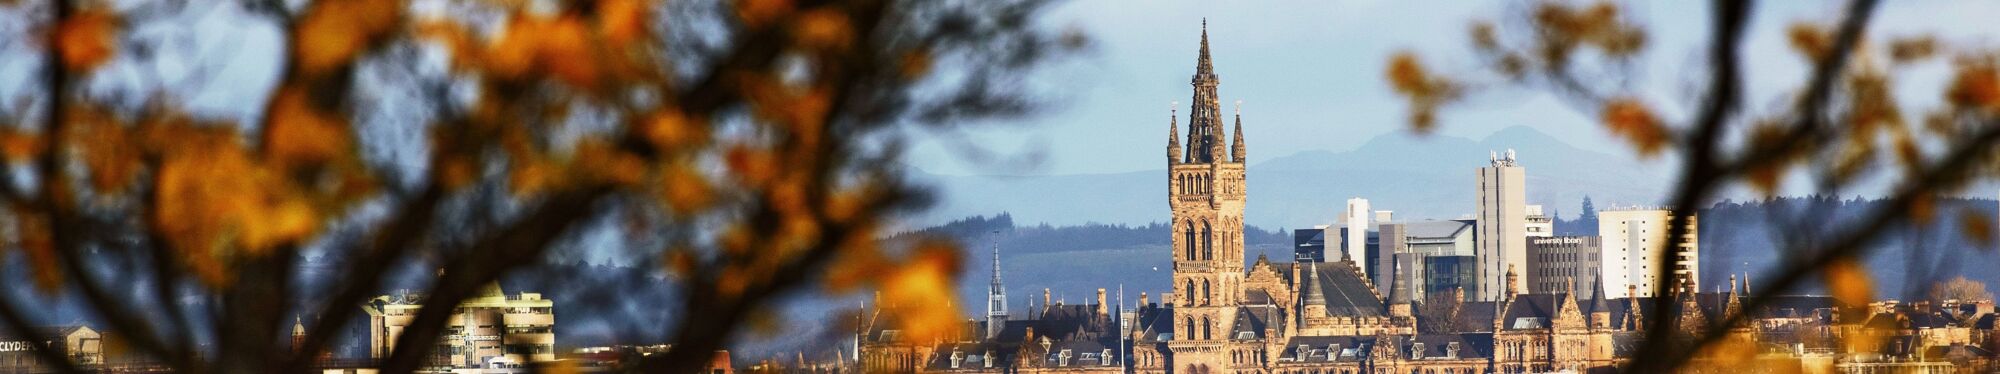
(1556, 261)
(1634, 240)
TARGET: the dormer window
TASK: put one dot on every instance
(1416, 351)
(956, 358)
(1451, 350)
(1062, 359)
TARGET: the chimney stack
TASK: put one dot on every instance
(1101, 307)
(1143, 300)
(1045, 297)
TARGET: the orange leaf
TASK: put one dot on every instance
(685, 190)
(824, 29)
(758, 13)
(515, 52)
(19, 146)
(1635, 122)
(1848, 282)
(1977, 226)
(87, 39)
(332, 32)
(1809, 40)
(623, 21)
(40, 249)
(926, 283)
(1976, 86)
(671, 131)
(109, 153)
(301, 135)
(568, 50)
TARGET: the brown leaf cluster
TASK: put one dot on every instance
(1425, 91)
(1632, 120)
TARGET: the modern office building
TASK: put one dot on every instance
(1502, 225)
(491, 332)
(1390, 239)
(1634, 241)
(1556, 261)
(1539, 225)
(1310, 244)
(1358, 219)
(1441, 257)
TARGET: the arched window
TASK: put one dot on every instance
(1189, 240)
(1206, 332)
(1207, 245)
(1190, 293)
(1205, 295)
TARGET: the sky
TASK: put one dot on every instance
(1309, 74)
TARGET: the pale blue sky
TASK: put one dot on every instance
(1309, 74)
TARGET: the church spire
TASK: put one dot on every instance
(1173, 134)
(996, 301)
(1236, 143)
(1205, 117)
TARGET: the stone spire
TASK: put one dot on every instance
(996, 300)
(1204, 120)
(1311, 289)
(1173, 135)
(1236, 135)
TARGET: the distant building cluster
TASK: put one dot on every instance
(492, 331)
(1498, 292)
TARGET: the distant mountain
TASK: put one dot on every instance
(1428, 177)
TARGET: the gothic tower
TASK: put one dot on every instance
(1205, 192)
(996, 298)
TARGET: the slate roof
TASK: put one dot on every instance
(1258, 297)
(1155, 323)
(1435, 229)
(1251, 321)
(1342, 286)
(1477, 316)
(1531, 312)
(1351, 348)
(1438, 346)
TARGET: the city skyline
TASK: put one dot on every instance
(1278, 67)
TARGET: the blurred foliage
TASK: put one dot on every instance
(745, 148)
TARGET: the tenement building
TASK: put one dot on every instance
(489, 332)
(1326, 316)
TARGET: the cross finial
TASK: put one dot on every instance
(1239, 107)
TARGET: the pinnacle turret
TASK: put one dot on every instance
(1311, 289)
(1236, 142)
(1173, 136)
